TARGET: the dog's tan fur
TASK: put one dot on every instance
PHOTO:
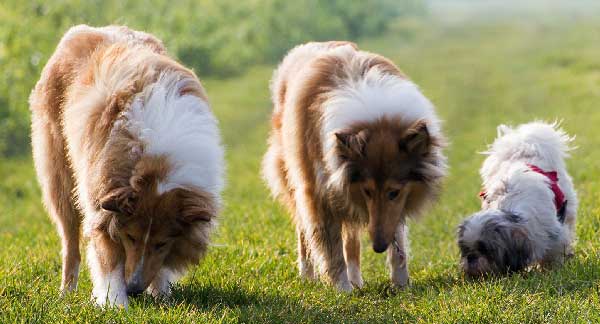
(92, 170)
(328, 218)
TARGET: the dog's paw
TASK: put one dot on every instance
(67, 288)
(307, 271)
(357, 282)
(355, 276)
(343, 284)
(401, 284)
(70, 279)
(111, 299)
(160, 290)
(400, 277)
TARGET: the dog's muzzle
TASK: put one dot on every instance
(134, 290)
(136, 286)
(379, 246)
(475, 266)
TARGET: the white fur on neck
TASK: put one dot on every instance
(183, 128)
(372, 97)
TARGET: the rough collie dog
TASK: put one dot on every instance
(529, 204)
(125, 143)
(354, 143)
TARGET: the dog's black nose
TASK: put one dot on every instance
(380, 247)
(134, 290)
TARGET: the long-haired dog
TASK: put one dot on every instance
(529, 204)
(125, 143)
(353, 143)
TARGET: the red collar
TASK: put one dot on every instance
(559, 197)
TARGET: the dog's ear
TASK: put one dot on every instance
(460, 230)
(503, 130)
(514, 218)
(520, 247)
(120, 200)
(417, 139)
(351, 144)
(195, 206)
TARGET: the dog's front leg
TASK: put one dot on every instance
(105, 259)
(398, 257)
(351, 236)
(327, 248)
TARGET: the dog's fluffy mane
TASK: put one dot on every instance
(180, 127)
(379, 95)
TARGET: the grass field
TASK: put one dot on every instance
(479, 72)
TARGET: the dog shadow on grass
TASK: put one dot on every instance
(580, 276)
(576, 275)
(250, 307)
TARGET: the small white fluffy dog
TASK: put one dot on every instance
(529, 204)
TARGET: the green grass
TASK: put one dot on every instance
(479, 74)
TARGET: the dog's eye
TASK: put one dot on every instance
(159, 246)
(367, 193)
(483, 249)
(415, 176)
(393, 194)
(129, 237)
(354, 176)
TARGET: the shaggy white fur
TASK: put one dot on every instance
(374, 96)
(540, 144)
(512, 188)
(183, 128)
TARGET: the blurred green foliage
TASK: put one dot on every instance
(217, 38)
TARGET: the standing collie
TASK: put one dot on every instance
(125, 143)
(354, 143)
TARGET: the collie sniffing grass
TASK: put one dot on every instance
(124, 142)
(354, 143)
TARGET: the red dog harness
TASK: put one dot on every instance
(559, 197)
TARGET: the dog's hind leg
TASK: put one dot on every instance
(351, 236)
(398, 257)
(305, 264)
(57, 186)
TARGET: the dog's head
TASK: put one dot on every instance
(388, 172)
(149, 224)
(493, 242)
